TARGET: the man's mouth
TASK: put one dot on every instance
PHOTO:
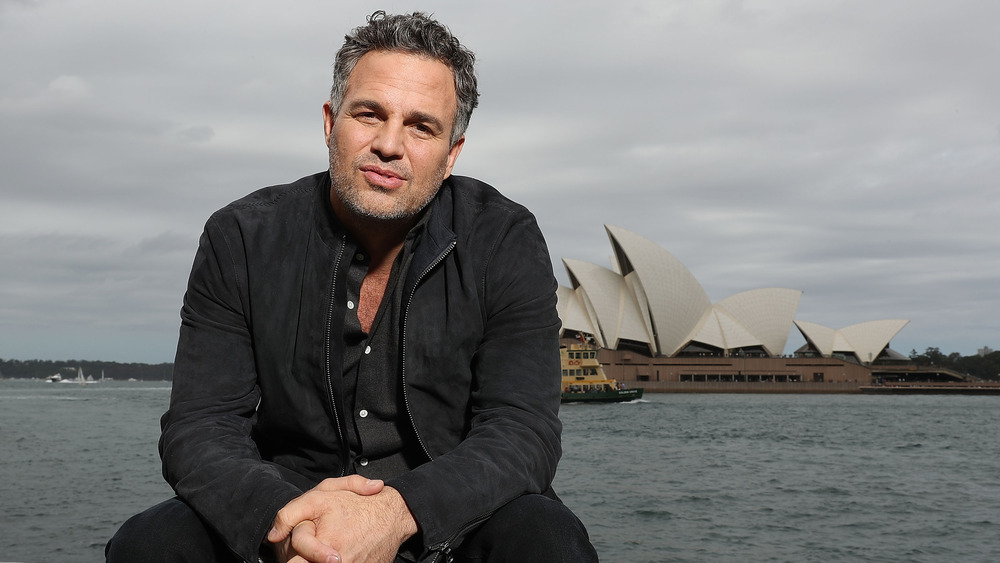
(382, 177)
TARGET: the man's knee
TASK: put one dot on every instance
(531, 528)
(169, 531)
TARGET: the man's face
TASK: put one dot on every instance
(390, 143)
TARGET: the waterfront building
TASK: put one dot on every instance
(655, 324)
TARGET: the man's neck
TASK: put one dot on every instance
(383, 240)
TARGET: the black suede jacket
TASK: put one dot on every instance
(254, 418)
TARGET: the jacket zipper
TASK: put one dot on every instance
(326, 347)
(443, 548)
(402, 369)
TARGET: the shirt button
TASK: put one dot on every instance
(363, 413)
(368, 349)
(363, 461)
(359, 257)
(350, 304)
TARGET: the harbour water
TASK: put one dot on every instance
(672, 478)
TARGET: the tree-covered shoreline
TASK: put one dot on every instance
(40, 369)
(986, 367)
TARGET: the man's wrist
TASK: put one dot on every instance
(406, 524)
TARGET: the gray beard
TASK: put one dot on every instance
(354, 201)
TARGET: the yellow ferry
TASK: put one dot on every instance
(583, 378)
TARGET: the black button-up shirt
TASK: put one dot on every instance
(381, 440)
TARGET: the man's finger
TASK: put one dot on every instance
(354, 483)
(293, 513)
(309, 506)
(307, 545)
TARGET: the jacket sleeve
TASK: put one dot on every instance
(208, 455)
(512, 444)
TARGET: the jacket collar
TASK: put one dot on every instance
(437, 239)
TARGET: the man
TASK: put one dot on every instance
(367, 367)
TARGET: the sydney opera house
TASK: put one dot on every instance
(654, 324)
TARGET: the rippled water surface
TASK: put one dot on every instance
(786, 478)
(670, 478)
(75, 461)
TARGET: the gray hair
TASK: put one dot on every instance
(416, 34)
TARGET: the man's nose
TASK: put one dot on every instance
(388, 141)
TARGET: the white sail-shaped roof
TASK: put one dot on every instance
(650, 297)
(821, 337)
(608, 297)
(766, 313)
(676, 301)
(870, 338)
(572, 312)
(864, 340)
(721, 330)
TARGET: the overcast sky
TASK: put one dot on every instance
(849, 149)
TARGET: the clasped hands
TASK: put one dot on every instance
(344, 520)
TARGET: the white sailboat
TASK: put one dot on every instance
(79, 379)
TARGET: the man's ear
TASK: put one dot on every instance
(453, 153)
(327, 121)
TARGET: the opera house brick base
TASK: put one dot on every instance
(713, 374)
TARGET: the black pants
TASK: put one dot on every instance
(532, 528)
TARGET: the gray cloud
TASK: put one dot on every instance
(847, 149)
